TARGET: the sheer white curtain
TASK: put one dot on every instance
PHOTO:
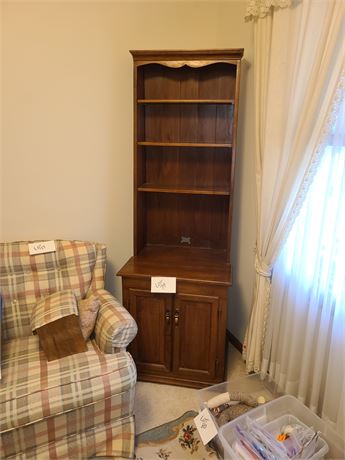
(298, 63)
(305, 341)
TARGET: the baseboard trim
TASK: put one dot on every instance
(234, 341)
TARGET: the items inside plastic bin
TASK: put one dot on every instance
(230, 405)
(276, 441)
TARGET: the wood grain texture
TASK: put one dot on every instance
(195, 335)
(200, 190)
(188, 123)
(170, 218)
(183, 144)
(199, 57)
(152, 346)
(185, 101)
(210, 82)
(185, 263)
(189, 168)
(61, 338)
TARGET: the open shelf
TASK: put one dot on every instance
(185, 144)
(184, 170)
(170, 219)
(181, 124)
(184, 190)
(208, 82)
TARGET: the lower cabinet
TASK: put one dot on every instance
(181, 337)
(151, 349)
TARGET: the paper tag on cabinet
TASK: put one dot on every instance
(163, 284)
(205, 426)
(41, 247)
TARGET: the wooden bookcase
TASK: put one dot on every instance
(185, 120)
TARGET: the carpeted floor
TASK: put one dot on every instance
(156, 404)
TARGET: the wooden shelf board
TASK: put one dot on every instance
(185, 263)
(182, 144)
(185, 101)
(184, 189)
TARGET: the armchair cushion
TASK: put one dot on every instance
(88, 310)
(115, 327)
(56, 401)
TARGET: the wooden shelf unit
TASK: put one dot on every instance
(185, 122)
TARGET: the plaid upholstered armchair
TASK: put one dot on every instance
(81, 405)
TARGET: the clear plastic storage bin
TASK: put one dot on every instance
(251, 385)
(281, 411)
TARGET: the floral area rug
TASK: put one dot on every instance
(175, 440)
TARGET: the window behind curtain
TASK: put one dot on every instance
(315, 250)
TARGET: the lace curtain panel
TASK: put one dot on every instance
(298, 63)
(304, 349)
(260, 8)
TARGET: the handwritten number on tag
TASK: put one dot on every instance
(163, 284)
(204, 421)
(40, 247)
(160, 284)
(205, 426)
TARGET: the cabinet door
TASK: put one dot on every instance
(151, 348)
(195, 324)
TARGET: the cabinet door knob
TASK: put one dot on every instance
(176, 317)
(167, 317)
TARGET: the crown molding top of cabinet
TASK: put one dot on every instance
(188, 55)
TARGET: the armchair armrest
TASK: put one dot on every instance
(115, 328)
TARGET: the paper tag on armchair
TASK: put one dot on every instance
(41, 247)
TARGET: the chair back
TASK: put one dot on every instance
(25, 278)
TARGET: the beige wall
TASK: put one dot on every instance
(67, 161)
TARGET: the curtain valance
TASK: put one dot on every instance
(260, 8)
